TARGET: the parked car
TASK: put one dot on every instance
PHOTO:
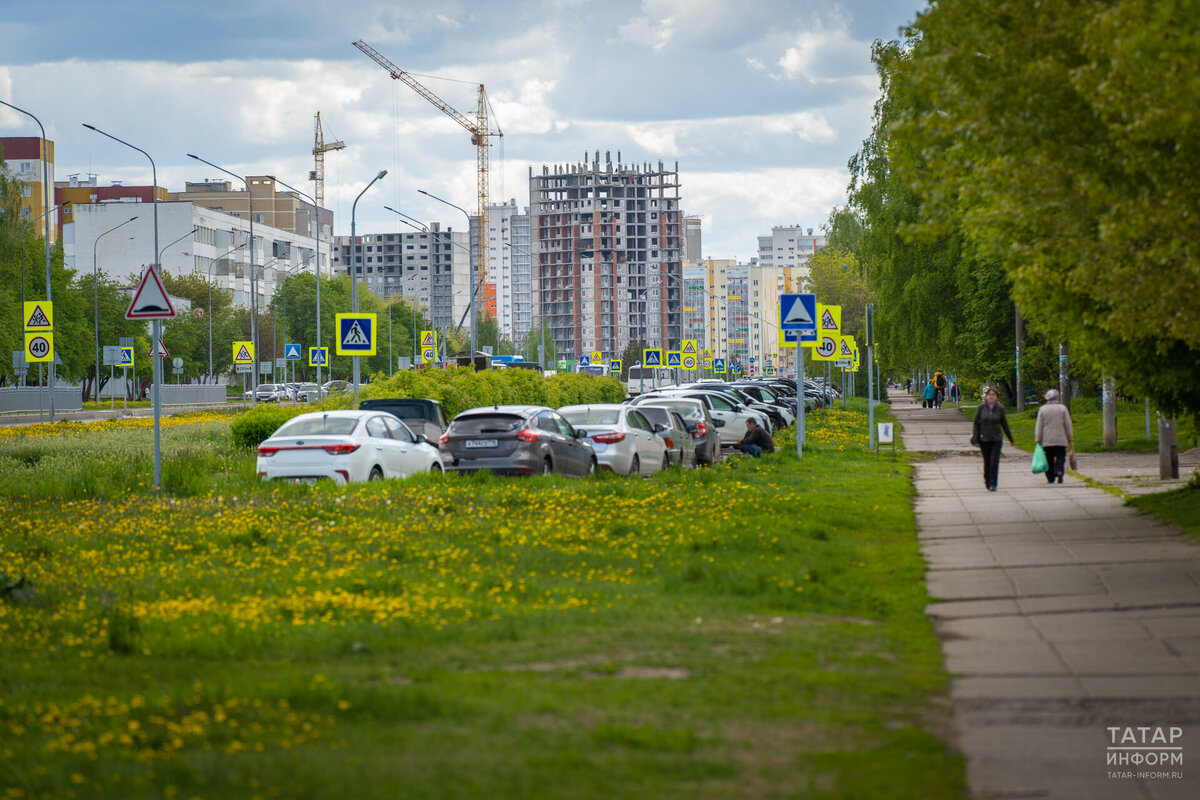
(515, 440)
(308, 393)
(623, 439)
(695, 415)
(421, 416)
(723, 408)
(674, 432)
(345, 447)
(331, 387)
(270, 392)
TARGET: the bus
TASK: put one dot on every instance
(638, 380)
(599, 370)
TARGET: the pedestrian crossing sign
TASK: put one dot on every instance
(652, 357)
(718, 365)
(126, 357)
(614, 366)
(243, 352)
(674, 358)
(318, 356)
(356, 334)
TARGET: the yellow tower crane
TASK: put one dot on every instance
(320, 148)
(478, 128)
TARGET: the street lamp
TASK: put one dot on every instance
(353, 269)
(253, 281)
(317, 222)
(158, 260)
(96, 298)
(156, 327)
(46, 200)
(471, 273)
(210, 314)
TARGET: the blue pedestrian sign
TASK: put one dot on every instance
(652, 357)
(798, 312)
(318, 356)
(356, 334)
(291, 352)
(126, 357)
(674, 358)
(614, 366)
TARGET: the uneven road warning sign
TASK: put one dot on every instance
(39, 346)
(798, 311)
(158, 352)
(39, 315)
(356, 335)
(718, 365)
(291, 352)
(150, 300)
(243, 352)
(318, 356)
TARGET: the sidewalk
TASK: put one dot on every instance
(1062, 612)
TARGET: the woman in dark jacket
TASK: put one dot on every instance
(987, 433)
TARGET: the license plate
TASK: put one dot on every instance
(472, 444)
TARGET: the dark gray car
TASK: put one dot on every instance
(701, 424)
(515, 440)
(674, 432)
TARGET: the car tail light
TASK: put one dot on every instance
(668, 441)
(268, 451)
(345, 475)
(340, 449)
(528, 435)
(700, 430)
(445, 437)
(609, 438)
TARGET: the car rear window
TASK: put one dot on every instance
(686, 410)
(486, 423)
(659, 415)
(318, 426)
(592, 416)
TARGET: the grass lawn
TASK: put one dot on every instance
(1181, 507)
(753, 630)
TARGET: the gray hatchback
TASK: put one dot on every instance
(515, 440)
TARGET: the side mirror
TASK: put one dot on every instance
(580, 434)
(659, 427)
(421, 438)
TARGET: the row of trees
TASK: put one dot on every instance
(1038, 156)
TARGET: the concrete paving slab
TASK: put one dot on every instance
(1090, 616)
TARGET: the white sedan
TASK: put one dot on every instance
(345, 447)
(624, 440)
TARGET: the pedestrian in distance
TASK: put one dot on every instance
(908, 386)
(930, 394)
(939, 388)
(1053, 431)
(987, 433)
(756, 441)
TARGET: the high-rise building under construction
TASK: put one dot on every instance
(607, 242)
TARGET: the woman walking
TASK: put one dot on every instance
(1054, 433)
(987, 433)
(929, 394)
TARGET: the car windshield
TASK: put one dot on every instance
(592, 416)
(318, 426)
(486, 423)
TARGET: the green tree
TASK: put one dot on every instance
(1060, 138)
(537, 337)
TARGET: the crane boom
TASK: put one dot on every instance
(320, 148)
(478, 128)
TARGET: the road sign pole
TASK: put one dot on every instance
(870, 376)
(157, 373)
(799, 400)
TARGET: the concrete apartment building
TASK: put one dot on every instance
(23, 158)
(696, 306)
(509, 268)
(743, 303)
(192, 239)
(787, 249)
(607, 255)
(431, 269)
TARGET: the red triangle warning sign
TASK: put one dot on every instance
(243, 356)
(158, 352)
(150, 301)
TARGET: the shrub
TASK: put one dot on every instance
(257, 424)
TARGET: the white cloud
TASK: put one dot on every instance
(755, 63)
(658, 140)
(651, 33)
(824, 53)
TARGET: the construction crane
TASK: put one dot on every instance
(320, 148)
(479, 130)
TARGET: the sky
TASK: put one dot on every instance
(760, 102)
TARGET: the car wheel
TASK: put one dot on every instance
(436, 469)
(635, 466)
(376, 474)
(666, 465)
(591, 470)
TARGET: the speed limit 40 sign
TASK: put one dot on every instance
(39, 346)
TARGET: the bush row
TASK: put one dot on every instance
(456, 389)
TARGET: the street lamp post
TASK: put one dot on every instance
(353, 268)
(471, 272)
(156, 327)
(317, 222)
(46, 200)
(96, 298)
(253, 279)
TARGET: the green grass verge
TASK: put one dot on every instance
(753, 630)
(1180, 507)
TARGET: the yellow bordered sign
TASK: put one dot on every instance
(39, 315)
(243, 352)
(39, 346)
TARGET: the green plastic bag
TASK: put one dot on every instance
(1040, 462)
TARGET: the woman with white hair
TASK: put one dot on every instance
(1055, 434)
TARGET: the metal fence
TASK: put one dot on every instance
(70, 398)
